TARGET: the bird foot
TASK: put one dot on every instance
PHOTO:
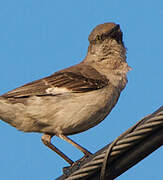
(75, 166)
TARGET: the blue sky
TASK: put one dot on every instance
(40, 37)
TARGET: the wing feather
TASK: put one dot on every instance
(73, 82)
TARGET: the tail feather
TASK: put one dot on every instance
(7, 112)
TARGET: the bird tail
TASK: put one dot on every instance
(7, 111)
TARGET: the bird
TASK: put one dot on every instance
(73, 99)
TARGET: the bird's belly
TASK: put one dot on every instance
(68, 114)
(83, 111)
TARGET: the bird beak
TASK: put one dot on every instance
(115, 30)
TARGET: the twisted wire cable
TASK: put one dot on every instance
(124, 142)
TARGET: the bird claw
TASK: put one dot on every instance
(76, 165)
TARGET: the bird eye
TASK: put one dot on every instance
(98, 38)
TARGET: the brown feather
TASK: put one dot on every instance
(74, 81)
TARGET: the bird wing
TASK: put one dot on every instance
(58, 83)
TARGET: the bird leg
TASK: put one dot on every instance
(46, 139)
(85, 151)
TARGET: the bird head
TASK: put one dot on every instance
(106, 31)
(105, 40)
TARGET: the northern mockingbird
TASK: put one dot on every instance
(74, 99)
